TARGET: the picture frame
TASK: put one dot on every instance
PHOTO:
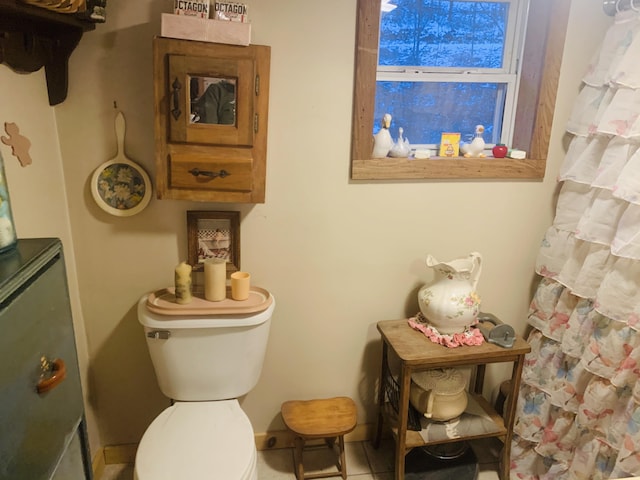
(212, 234)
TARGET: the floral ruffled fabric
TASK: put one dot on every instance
(470, 336)
(578, 414)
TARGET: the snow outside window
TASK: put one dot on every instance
(449, 65)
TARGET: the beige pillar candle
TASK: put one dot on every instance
(183, 283)
(215, 279)
(240, 283)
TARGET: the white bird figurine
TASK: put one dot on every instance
(476, 147)
(382, 141)
(401, 148)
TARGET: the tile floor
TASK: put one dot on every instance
(363, 462)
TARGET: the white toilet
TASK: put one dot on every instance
(203, 363)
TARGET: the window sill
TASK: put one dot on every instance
(444, 168)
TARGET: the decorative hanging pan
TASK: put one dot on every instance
(120, 186)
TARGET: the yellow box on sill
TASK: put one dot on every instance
(449, 145)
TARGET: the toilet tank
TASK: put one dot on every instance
(206, 357)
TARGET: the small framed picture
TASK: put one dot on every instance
(213, 235)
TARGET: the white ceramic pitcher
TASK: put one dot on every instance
(451, 303)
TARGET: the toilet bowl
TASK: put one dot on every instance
(198, 440)
(203, 363)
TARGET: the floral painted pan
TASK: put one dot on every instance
(120, 186)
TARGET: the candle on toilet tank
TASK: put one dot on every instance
(215, 279)
(183, 283)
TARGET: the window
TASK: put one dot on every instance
(430, 83)
(449, 65)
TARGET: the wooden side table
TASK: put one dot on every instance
(416, 352)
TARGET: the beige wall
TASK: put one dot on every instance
(338, 255)
(38, 197)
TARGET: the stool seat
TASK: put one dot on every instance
(329, 418)
(320, 418)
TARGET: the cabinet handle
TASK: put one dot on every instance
(208, 173)
(52, 374)
(176, 86)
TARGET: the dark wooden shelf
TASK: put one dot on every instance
(32, 37)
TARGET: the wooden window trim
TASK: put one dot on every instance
(544, 45)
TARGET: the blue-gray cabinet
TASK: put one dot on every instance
(42, 427)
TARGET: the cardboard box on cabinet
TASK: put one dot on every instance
(205, 30)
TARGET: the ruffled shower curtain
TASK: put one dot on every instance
(578, 414)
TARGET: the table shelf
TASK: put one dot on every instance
(417, 353)
(414, 439)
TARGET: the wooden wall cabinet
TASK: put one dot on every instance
(204, 153)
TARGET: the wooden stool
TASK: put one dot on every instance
(329, 418)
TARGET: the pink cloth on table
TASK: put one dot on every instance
(471, 336)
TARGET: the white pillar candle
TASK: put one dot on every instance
(183, 283)
(215, 279)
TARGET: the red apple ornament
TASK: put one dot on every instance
(500, 150)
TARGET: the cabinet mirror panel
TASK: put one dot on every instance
(213, 100)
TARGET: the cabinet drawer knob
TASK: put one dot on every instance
(196, 172)
(53, 373)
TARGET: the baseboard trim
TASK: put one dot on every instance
(126, 453)
(284, 438)
(98, 463)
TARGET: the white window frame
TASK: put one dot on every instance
(509, 74)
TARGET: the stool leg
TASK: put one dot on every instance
(343, 463)
(297, 457)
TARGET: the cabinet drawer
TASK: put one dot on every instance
(196, 171)
(36, 427)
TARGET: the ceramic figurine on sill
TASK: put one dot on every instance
(382, 141)
(476, 147)
(401, 148)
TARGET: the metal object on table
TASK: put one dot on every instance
(495, 331)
